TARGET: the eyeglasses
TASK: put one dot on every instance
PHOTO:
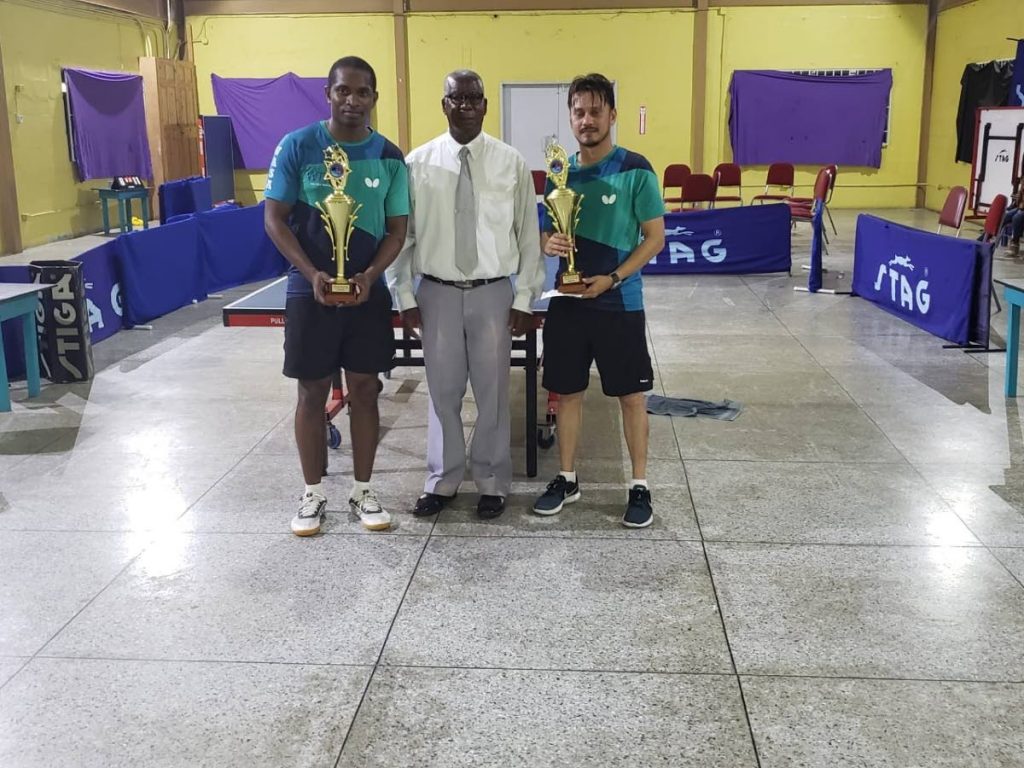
(471, 99)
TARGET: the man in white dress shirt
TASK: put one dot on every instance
(473, 225)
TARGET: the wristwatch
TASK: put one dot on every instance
(616, 280)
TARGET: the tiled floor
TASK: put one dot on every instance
(834, 579)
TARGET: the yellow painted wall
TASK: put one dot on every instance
(826, 37)
(648, 54)
(269, 46)
(36, 44)
(966, 34)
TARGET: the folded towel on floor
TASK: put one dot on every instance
(727, 410)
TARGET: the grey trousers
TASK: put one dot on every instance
(466, 337)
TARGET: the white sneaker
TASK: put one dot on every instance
(311, 514)
(373, 516)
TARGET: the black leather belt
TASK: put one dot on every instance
(464, 284)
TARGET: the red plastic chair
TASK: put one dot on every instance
(802, 209)
(833, 171)
(540, 181)
(993, 228)
(728, 175)
(780, 176)
(674, 178)
(952, 214)
(994, 219)
(699, 188)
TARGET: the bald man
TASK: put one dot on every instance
(473, 225)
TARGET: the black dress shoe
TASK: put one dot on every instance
(430, 504)
(489, 507)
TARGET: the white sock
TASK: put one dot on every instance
(318, 489)
(570, 476)
(358, 488)
(635, 482)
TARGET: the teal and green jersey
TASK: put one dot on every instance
(619, 193)
(379, 183)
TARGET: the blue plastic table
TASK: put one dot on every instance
(1013, 294)
(19, 300)
(124, 199)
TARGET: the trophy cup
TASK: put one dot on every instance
(338, 212)
(563, 206)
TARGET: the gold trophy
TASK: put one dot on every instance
(338, 212)
(563, 206)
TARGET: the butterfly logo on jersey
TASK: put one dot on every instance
(608, 199)
(372, 183)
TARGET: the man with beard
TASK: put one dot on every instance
(473, 225)
(319, 339)
(621, 228)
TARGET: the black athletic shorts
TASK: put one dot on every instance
(576, 335)
(319, 340)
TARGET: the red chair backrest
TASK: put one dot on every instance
(822, 184)
(781, 175)
(540, 180)
(699, 188)
(675, 175)
(952, 214)
(728, 175)
(833, 171)
(994, 219)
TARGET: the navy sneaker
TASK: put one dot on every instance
(638, 511)
(559, 493)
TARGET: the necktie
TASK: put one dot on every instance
(465, 218)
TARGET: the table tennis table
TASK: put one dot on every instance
(264, 308)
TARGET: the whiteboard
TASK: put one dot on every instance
(998, 155)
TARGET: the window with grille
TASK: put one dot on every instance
(849, 73)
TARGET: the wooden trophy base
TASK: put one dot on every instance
(340, 293)
(574, 283)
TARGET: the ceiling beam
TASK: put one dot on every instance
(275, 7)
(153, 9)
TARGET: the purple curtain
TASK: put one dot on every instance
(262, 111)
(108, 124)
(808, 120)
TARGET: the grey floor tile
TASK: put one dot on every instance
(261, 494)
(821, 503)
(163, 714)
(690, 320)
(597, 514)
(509, 718)
(943, 432)
(1013, 559)
(817, 723)
(560, 604)
(102, 491)
(893, 353)
(9, 666)
(764, 354)
(948, 613)
(823, 433)
(922, 387)
(753, 388)
(851, 317)
(21, 442)
(46, 578)
(249, 597)
(988, 497)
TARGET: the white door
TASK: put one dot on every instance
(532, 113)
